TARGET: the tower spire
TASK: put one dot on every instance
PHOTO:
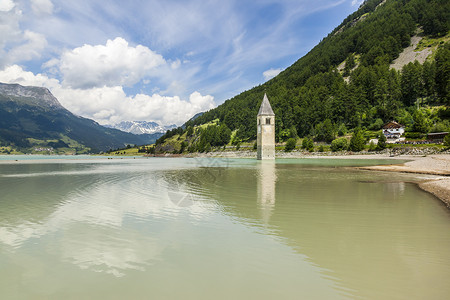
(265, 109)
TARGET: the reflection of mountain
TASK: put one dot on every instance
(90, 204)
(266, 227)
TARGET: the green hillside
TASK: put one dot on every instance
(33, 121)
(347, 79)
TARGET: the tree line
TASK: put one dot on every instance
(313, 98)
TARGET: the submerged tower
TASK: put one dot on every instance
(266, 131)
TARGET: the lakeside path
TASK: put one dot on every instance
(436, 164)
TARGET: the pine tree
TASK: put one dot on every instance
(357, 141)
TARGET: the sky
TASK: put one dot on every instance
(156, 60)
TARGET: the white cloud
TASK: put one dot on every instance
(6, 5)
(115, 63)
(17, 45)
(175, 64)
(15, 74)
(357, 2)
(109, 105)
(32, 46)
(271, 73)
(42, 7)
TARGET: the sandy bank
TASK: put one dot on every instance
(438, 164)
(432, 165)
(439, 188)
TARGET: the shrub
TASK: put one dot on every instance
(420, 122)
(342, 130)
(376, 125)
(190, 131)
(357, 141)
(414, 135)
(308, 144)
(208, 147)
(183, 146)
(447, 140)
(290, 144)
(285, 134)
(339, 144)
(325, 131)
(381, 142)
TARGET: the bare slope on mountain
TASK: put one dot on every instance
(313, 91)
(421, 49)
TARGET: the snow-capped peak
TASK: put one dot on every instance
(142, 127)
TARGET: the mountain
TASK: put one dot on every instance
(32, 116)
(352, 79)
(142, 127)
(196, 116)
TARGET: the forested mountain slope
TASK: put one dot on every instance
(32, 116)
(365, 91)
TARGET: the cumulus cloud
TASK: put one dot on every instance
(6, 5)
(113, 64)
(357, 2)
(17, 45)
(42, 7)
(15, 74)
(110, 104)
(32, 46)
(271, 73)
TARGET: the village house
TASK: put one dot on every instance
(393, 132)
(436, 137)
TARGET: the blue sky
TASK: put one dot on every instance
(158, 61)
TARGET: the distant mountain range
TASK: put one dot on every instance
(32, 116)
(142, 127)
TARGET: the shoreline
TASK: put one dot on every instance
(436, 164)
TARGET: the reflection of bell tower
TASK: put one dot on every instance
(266, 131)
(266, 189)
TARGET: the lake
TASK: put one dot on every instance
(210, 228)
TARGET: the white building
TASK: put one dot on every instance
(393, 132)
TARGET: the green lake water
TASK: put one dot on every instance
(179, 228)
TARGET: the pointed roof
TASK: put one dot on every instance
(392, 125)
(265, 109)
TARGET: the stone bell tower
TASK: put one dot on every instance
(266, 131)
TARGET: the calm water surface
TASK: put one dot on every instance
(173, 228)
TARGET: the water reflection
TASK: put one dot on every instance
(357, 228)
(312, 232)
(100, 217)
(267, 178)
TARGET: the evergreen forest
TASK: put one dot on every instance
(347, 81)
